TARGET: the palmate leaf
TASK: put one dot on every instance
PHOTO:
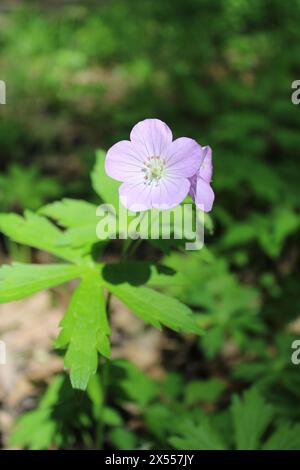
(286, 437)
(85, 330)
(273, 231)
(79, 237)
(78, 216)
(70, 213)
(200, 436)
(157, 309)
(38, 232)
(106, 187)
(129, 383)
(274, 228)
(21, 280)
(251, 417)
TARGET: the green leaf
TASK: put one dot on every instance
(213, 340)
(173, 385)
(95, 392)
(106, 187)
(286, 437)
(159, 419)
(79, 217)
(85, 330)
(16, 187)
(37, 429)
(274, 231)
(239, 234)
(111, 417)
(38, 232)
(251, 417)
(56, 420)
(70, 213)
(78, 237)
(130, 383)
(203, 390)
(156, 308)
(123, 439)
(274, 228)
(200, 436)
(21, 280)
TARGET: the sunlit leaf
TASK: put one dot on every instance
(21, 280)
(156, 308)
(85, 330)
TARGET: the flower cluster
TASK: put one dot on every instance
(159, 172)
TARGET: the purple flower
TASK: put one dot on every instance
(155, 171)
(201, 190)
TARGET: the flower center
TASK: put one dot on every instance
(154, 170)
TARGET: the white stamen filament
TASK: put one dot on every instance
(154, 170)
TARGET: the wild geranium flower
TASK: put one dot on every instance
(201, 190)
(154, 169)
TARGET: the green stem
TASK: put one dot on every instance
(130, 246)
(126, 247)
(134, 246)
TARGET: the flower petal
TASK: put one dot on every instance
(124, 163)
(135, 196)
(170, 192)
(193, 181)
(206, 168)
(153, 135)
(204, 195)
(183, 157)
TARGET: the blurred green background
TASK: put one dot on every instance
(79, 75)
